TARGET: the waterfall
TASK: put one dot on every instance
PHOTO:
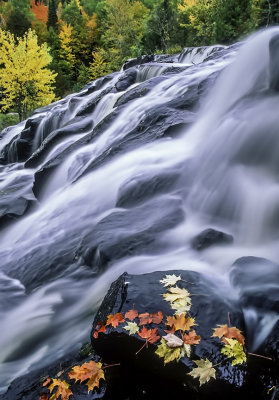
(122, 176)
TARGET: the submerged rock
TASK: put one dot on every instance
(210, 237)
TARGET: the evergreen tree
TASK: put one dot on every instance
(52, 16)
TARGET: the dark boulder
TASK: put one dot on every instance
(210, 237)
(130, 232)
(126, 80)
(210, 307)
(138, 61)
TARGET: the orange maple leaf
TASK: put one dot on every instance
(151, 335)
(226, 332)
(191, 338)
(47, 382)
(157, 317)
(145, 319)
(89, 370)
(181, 322)
(115, 319)
(62, 389)
(131, 314)
(100, 327)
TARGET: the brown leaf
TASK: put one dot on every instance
(157, 317)
(131, 314)
(47, 382)
(191, 338)
(115, 320)
(181, 322)
(62, 389)
(90, 370)
(226, 332)
(43, 396)
(151, 335)
(145, 319)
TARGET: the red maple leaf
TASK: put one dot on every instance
(131, 314)
(151, 335)
(157, 317)
(145, 319)
(115, 319)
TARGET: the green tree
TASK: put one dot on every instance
(19, 19)
(52, 16)
(25, 80)
(123, 30)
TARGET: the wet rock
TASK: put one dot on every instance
(210, 237)
(210, 307)
(137, 61)
(30, 386)
(127, 80)
(143, 187)
(257, 283)
(130, 232)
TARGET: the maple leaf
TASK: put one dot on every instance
(167, 353)
(170, 280)
(175, 293)
(145, 319)
(157, 317)
(181, 322)
(151, 335)
(46, 382)
(204, 371)
(100, 327)
(191, 338)
(89, 370)
(62, 390)
(132, 327)
(234, 350)
(131, 314)
(173, 341)
(226, 332)
(115, 319)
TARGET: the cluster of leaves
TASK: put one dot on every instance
(180, 336)
(91, 372)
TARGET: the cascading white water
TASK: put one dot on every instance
(228, 168)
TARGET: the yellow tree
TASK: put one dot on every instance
(25, 81)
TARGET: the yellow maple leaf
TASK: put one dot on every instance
(181, 322)
(90, 370)
(204, 371)
(170, 280)
(179, 299)
(234, 350)
(62, 389)
(168, 353)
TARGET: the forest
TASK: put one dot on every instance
(51, 48)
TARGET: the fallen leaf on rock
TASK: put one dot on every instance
(191, 338)
(157, 318)
(234, 350)
(90, 370)
(47, 382)
(151, 335)
(173, 341)
(204, 371)
(132, 327)
(226, 332)
(181, 322)
(131, 314)
(115, 320)
(62, 389)
(167, 353)
(170, 280)
(175, 293)
(145, 319)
